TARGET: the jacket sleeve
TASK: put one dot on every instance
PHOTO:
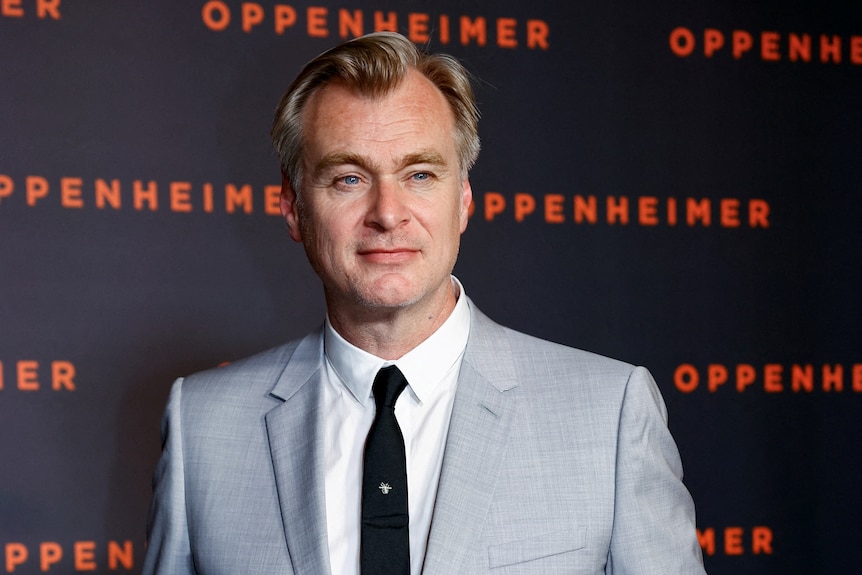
(654, 524)
(168, 548)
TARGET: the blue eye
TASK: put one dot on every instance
(351, 180)
(421, 176)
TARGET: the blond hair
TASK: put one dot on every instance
(373, 65)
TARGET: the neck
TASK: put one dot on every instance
(390, 333)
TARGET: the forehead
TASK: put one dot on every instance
(338, 117)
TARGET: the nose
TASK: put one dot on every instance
(387, 209)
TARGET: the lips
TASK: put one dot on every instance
(387, 255)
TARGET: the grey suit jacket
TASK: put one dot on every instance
(558, 461)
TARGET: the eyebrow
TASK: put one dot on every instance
(337, 159)
(424, 157)
(344, 158)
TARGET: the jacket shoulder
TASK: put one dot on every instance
(500, 350)
(253, 375)
(564, 354)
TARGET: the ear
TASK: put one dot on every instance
(466, 203)
(287, 203)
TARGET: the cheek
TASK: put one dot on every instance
(446, 235)
(331, 239)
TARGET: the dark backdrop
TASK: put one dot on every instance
(671, 183)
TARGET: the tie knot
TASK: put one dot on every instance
(388, 385)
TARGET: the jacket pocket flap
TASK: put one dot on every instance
(536, 547)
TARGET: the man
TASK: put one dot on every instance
(521, 456)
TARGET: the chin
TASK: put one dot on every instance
(378, 300)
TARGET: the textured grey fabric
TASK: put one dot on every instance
(558, 461)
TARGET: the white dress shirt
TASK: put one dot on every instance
(423, 411)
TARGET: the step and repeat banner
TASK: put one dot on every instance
(671, 183)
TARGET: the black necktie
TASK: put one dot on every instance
(385, 543)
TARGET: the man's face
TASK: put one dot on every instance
(382, 204)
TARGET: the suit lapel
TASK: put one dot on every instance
(476, 444)
(295, 433)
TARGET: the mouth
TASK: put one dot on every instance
(387, 255)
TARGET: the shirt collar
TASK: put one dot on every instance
(423, 366)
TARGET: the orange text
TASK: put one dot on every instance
(771, 378)
(30, 375)
(141, 195)
(420, 27)
(49, 556)
(735, 541)
(768, 46)
(625, 210)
